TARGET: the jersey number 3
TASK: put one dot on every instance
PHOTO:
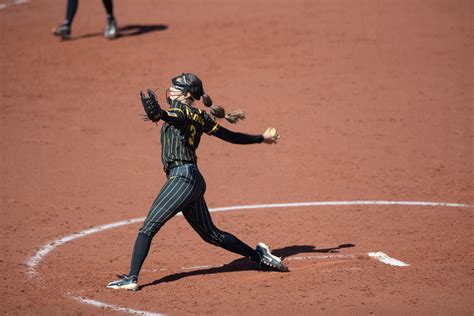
(192, 129)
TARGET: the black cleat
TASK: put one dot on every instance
(268, 261)
(63, 31)
(124, 283)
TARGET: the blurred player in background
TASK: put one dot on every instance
(64, 30)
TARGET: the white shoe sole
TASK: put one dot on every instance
(130, 287)
(110, 36)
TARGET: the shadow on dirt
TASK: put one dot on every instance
(244, 264)
(294, 250)
(128, 30)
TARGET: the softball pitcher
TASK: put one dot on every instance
(185, 186)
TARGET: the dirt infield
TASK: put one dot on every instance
(373, 100)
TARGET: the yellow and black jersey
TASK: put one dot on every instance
(181, 134)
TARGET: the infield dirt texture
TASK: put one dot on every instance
(373, 99)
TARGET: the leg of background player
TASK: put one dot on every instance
(109, 8)
(111, 26)
(71, 9)
(64, 30)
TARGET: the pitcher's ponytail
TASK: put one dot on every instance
(219, 112)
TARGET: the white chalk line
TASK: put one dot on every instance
(114, 307)
(17, 2)
(36, 259)
(338, 203)
(329, 256)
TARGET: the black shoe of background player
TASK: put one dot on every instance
(63, 31)
(110, 31)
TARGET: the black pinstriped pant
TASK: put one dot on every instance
(183, 192)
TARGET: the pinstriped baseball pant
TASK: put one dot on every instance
(183, 192)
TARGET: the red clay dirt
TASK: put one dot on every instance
(373, 100)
